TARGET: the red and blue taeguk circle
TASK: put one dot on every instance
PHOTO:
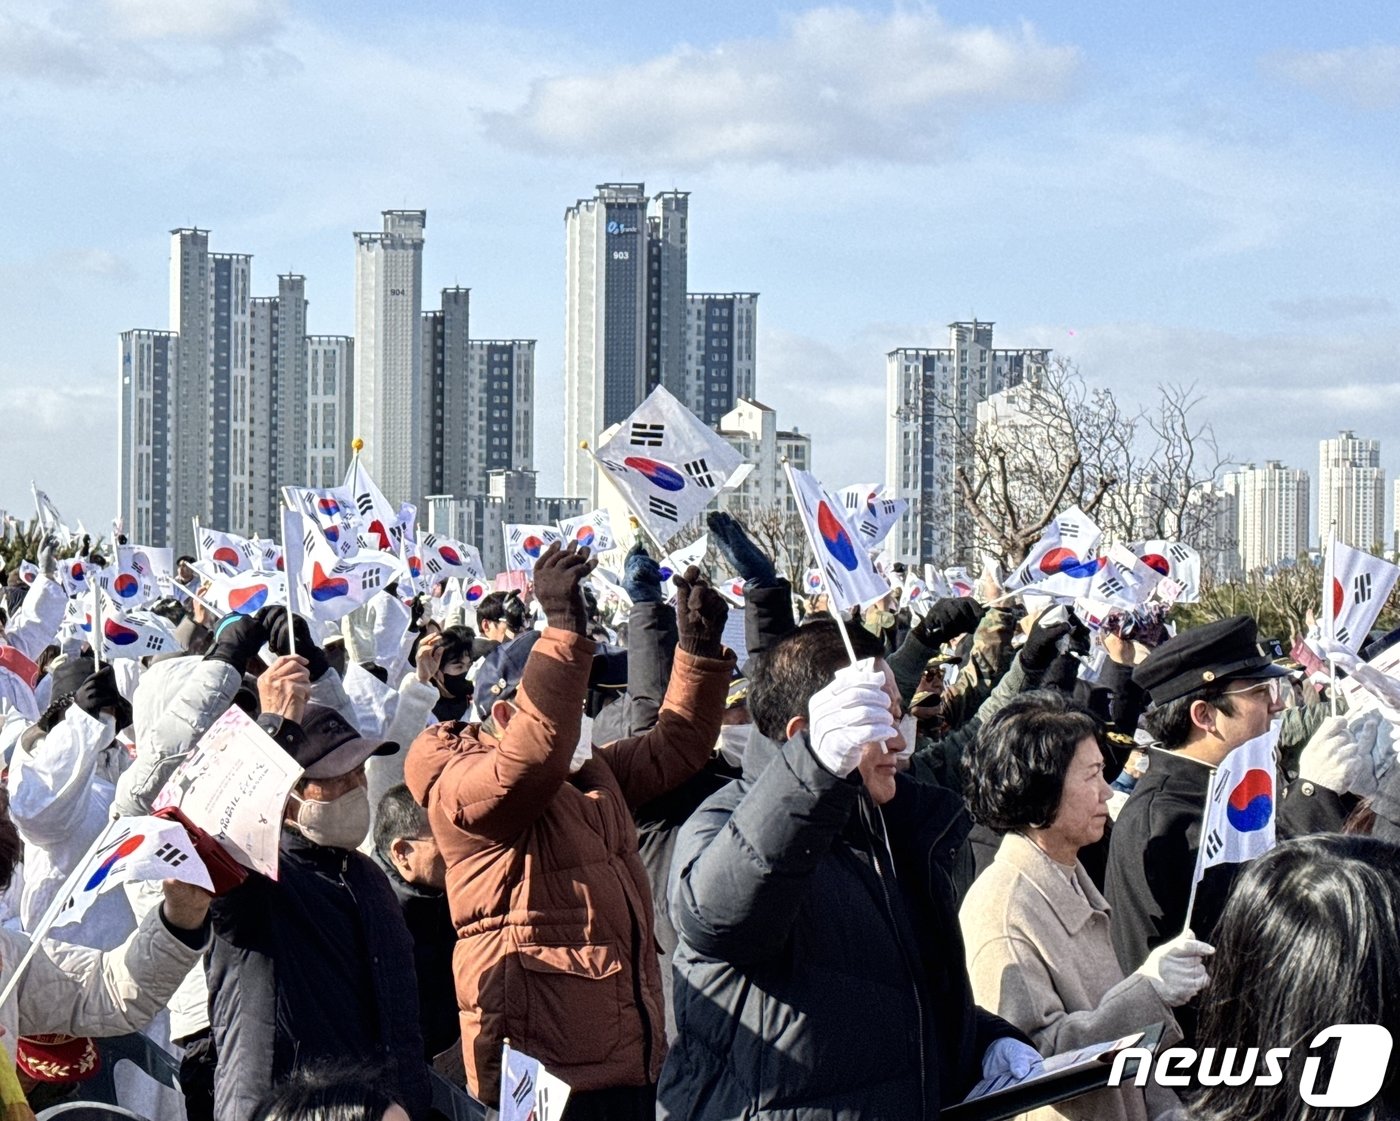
(585, 536)
(126, 585)
(1065, 561)
(117, 634)
(1251, 802)
(449, 554)
(658, 474)
(103, 870)
(835, 538)
(533, 546)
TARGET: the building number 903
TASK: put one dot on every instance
(621, 255)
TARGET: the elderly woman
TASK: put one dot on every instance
(1035, 927)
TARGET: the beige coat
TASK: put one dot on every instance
(1039, 955)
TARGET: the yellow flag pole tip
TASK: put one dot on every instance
(583, 444)
(633, 522)
(357, 445)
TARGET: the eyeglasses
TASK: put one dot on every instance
(1273, 684)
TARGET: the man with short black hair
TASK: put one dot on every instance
(820, 971)
(405, 849)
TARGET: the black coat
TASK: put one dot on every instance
(429, 921)
(820, 971)
(316, 966)
(1152, 858)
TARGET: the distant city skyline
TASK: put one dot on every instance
(1194, 194)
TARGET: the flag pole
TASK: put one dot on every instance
(583, 444)
(1329, 617)
(816, 558)
(287, 575)
(96, 625)
(1199, 871)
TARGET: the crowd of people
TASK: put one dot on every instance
(859, 869)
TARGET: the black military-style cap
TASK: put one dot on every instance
(1226, 650)
(500, 672)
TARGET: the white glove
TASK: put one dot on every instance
(1331, 758)
(1175, 969)
(1365, 730)
(1009, 1056)
(852, 711)
(908, 732)
(583, 750)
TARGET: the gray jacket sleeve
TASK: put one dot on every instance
(204, 694)
(78, 991)
(738, 878)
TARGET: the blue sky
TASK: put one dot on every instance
(1198, 195)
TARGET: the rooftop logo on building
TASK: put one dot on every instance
(615, 227)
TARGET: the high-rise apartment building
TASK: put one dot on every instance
(329, 411)
(624, 312)
(751, 428)
(393, 401)
(1351, 492)
(278, 391)
(147, 361)
(720, 347)
(446, 333)
(1273, 506)
(190, 402)
(932, 397)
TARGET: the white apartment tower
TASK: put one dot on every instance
(721, 339)
(393, 403)
(932, 397)
(147, 361)
(190, 415)
(1351, 492)
(1273, 506)
(624, 312)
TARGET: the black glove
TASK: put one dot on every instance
(559, 586)
(641, 576)
(236, 639)
(99, 691)
(948, 618)
(700, 615)
(274, 623)
(1042, 645)
(86, 546)
(746, 558)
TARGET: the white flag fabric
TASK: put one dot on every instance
(132, 579)
(133, 849)
(1355, 586)
(1063, 562)
(28, 572)
(667, 464)
(379, 520)
(958, 581)
(50, 521)
(1123, 580)
(73, 573)
(1239, 818)
(442, 558)
(683, 558)
(593, 530)
(812, 582)
(916, 594)
(528, 1091)
(332, 510)
(270, 558)
(247, 593)
(131, 634)
(1175, 561)
(229, 551)
(871, 515)
(323, 586)
(732, 590)
(526, 543)
(848, 573)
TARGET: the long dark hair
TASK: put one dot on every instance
(1310, 938)
(328, 1093)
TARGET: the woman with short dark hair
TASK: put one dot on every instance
(1310, 938)
(1035, 926)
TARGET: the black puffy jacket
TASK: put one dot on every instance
(820, 971)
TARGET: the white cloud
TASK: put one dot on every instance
(837, 85)
(1365, 77)
(1308, 309)
(220, 23)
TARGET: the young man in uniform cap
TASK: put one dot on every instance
(1212, 689)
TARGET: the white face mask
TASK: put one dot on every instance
(733, 739)
(909, 733)
(341, 823)
(583, 750)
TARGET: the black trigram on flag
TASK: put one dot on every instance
(1361, 588)
(663, 509)
(1110, 586)
(432, 565)
(365, 504)
(154, 642)
(308, 541)
(867, 527)
(833, 579)
(1214, 843)
(208, 542)
(852, 500)
(888, 505)
(371, 577)
(1342, 635)
(613, 466)
(699, 470)
(171, 855)
(1068, 529)
(1179, 553)
(524, 1089)
(515, 535)
(647, 435)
